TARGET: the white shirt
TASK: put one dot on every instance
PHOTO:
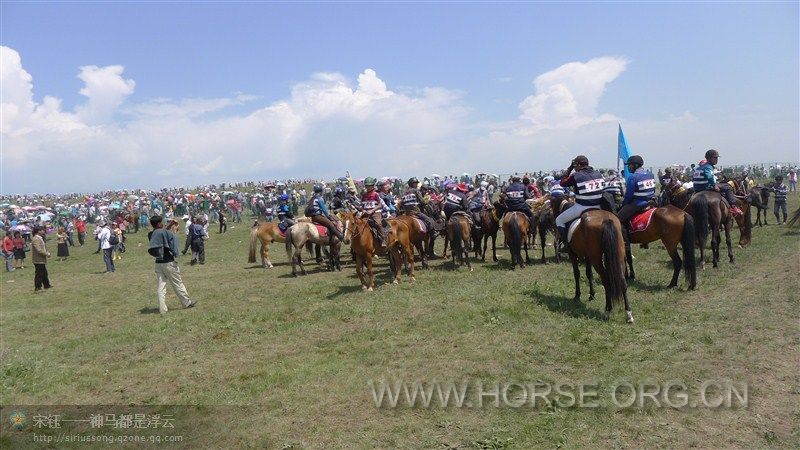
(103, 236)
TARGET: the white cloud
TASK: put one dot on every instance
(567, 97)
(105, 90)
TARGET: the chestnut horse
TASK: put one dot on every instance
(673, 226)
(515, 231)
(458, 233)
(419, 239)
(490, 225)
(359, 235)
(598, 241)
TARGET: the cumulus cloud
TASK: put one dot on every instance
(105, 90)
(567, 97)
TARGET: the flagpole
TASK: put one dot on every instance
(618, 156)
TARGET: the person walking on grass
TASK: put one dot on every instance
(163, 246)
(198, 234)
(41, 278)
(8, 251)
(223, 222)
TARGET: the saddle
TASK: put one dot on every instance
(323, 230)
(464, 215)
(422, 228)
(641, 221)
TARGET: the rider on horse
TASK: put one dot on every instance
(319, 213)
(704, 179)
(456, 200)
(411, 201)
(385, 191)
(285, 212)
(514, 198)
(640, 188)
(371, 206)
(587, 184)
(477, 202)
(615, 186)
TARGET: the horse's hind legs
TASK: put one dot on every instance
(591, 280)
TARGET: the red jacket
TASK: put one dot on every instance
(8, 244)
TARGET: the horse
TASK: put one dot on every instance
(515, 230)
(359, 235)
(759, 198)
(433, 209)
(558, 204)
(598, 240)
(673, 226)
(547, 223)
(458, 232)
(679, 196)
(418, 239)
(709, 211)
(490, 225)
(267, 233)
(301, 233)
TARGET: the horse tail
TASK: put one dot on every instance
(542, 225)
(289, 245)
(251, 257)
(516, 236)
(700, 213)
(613, 262)
(687, 243)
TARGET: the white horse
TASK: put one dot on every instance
(302, 233)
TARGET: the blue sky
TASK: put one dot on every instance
(676, 75)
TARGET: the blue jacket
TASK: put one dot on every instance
(640, 187)
(317, 207)
(703, 177)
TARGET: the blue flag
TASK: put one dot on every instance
(622, 151)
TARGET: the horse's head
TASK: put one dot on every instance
(347, 219)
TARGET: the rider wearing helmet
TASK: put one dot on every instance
(371, 206)
(319, 213)
(615, 186)
(412, 199)
(456, 200)
(514, 197)
(478, 200)
(587, 184)
(285, 212)
(351, 198)
(704, 179)
(385, 191)
(640, 188)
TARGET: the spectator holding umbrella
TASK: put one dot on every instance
(8, 251)
(19, 250)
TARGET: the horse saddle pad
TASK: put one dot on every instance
(462, 214)
(423, 229)
(323, 230)
(572, 227)
(641, 221)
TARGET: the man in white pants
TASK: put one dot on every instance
(587, 184)
(164, 247)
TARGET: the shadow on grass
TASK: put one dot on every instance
(148, 310)
(568, 306)
(646, 287)
(275, 264)
(344, 290)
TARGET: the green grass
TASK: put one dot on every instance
(297, 353)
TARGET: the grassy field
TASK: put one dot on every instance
(286, 362)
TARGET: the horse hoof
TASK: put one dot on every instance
(369, 289)
(413, 278)
(363, 288)
(577, 298)
(628, 317)
(606, 315)
(395, 282)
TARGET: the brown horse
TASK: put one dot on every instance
(267, 233)
(359, 235)
(515, 230)
(759, 198)
(678, 196)
(558, 204)
(458, 233)
(598, 241)
(419, 239)
(673, 226)
(490, 225)
(710, 212)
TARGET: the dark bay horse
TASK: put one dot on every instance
(515, 232)
(759, 199)
(490, 225)
(458, 234)
(679, 196)
(673, 226)
(598, 241)
(710, 212)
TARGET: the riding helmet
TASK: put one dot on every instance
(462, 187)
(369, 181)
(712, 153)
(581, 160)
(635, 160)
(318, 188)
(412, 180)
